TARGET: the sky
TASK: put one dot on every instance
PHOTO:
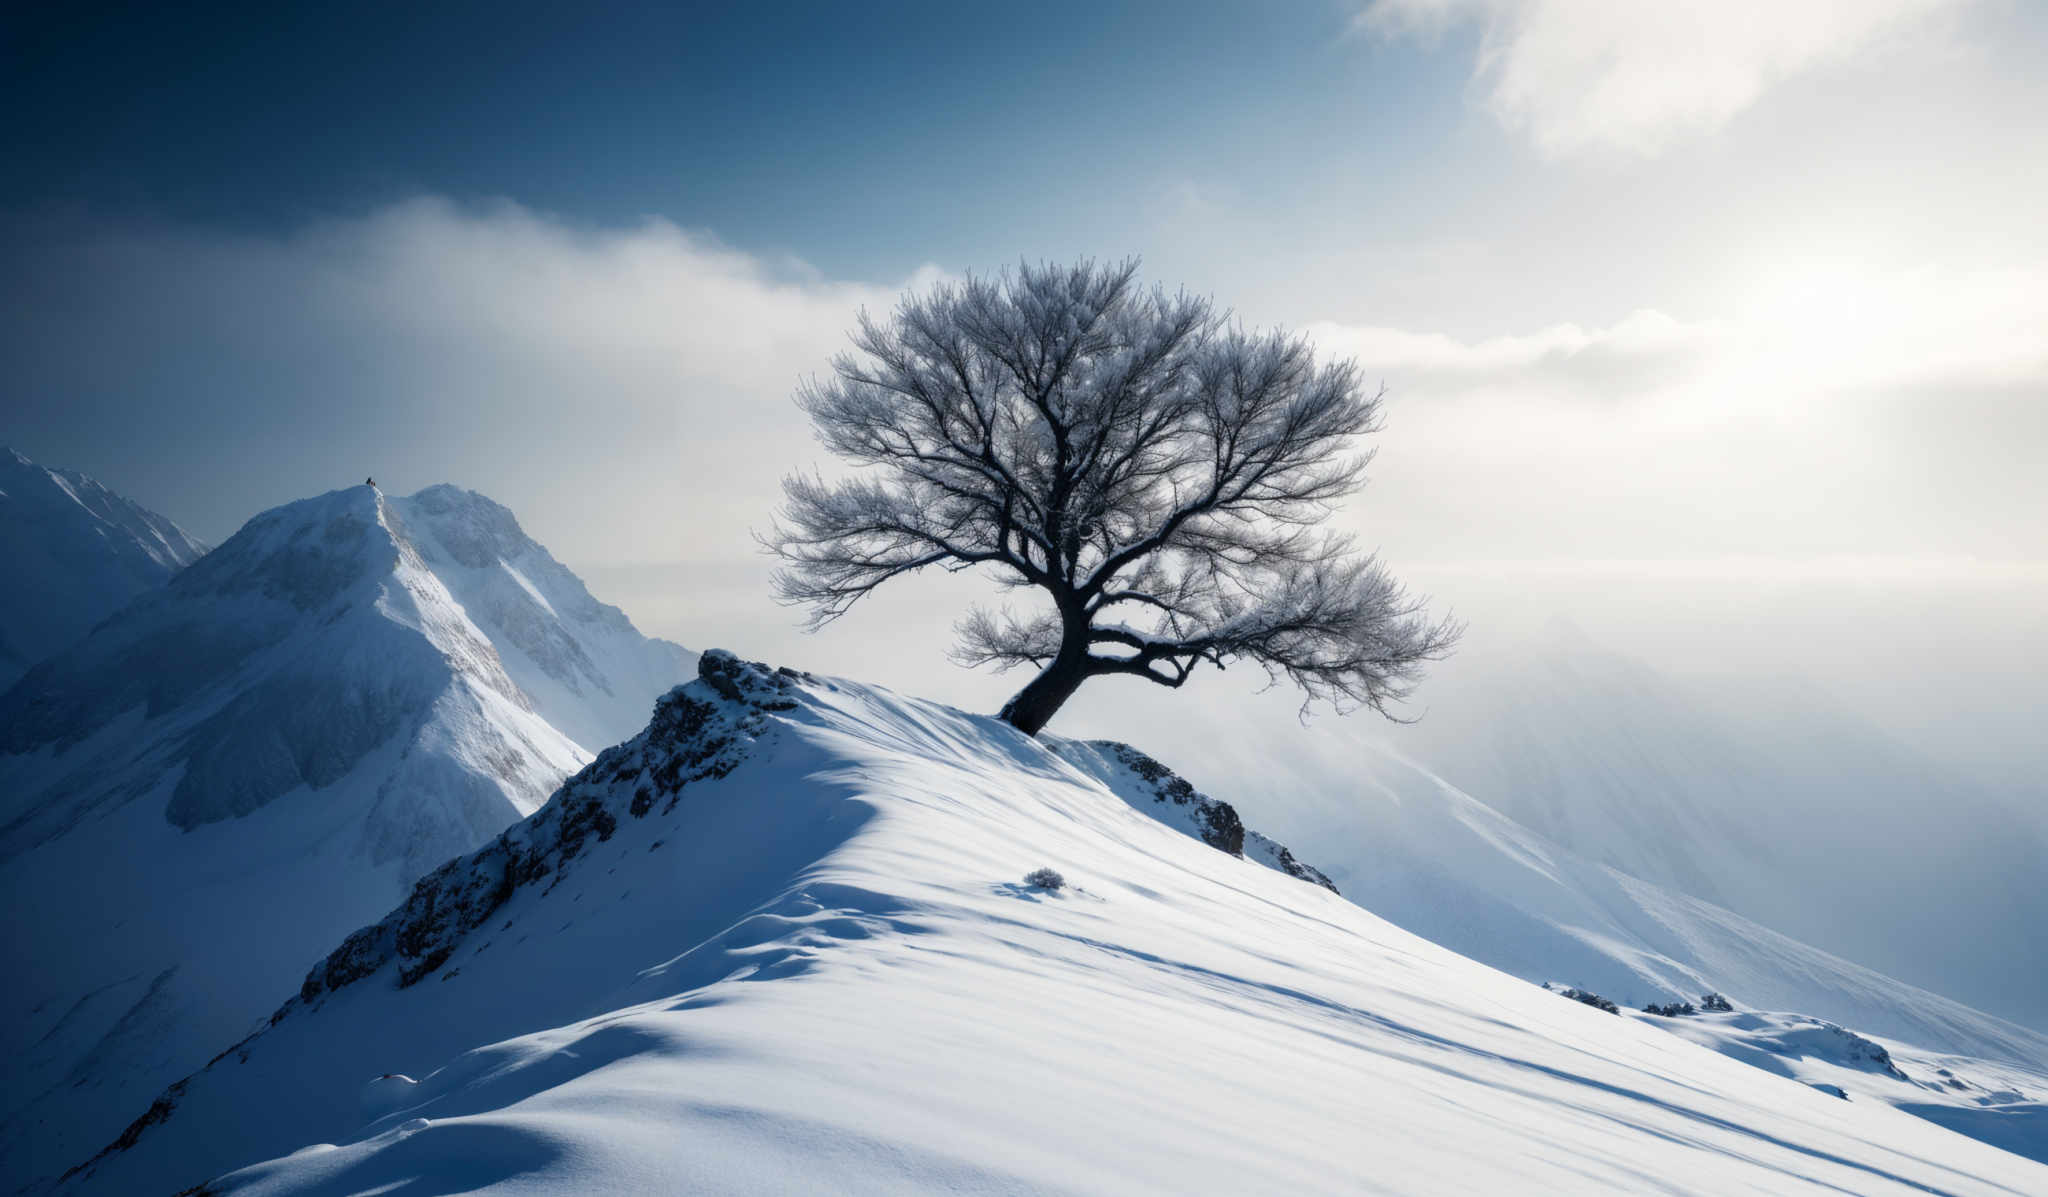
(1718, 330)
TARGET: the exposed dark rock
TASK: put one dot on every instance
(1589, 998)
(1860, 1051)
(1213, 821)
(1285, 861)
(700, 731)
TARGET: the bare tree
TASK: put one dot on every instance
(1157, 471)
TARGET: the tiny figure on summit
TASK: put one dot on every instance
(369, 482)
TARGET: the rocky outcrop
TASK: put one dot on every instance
(1211, 820)
(699, 731)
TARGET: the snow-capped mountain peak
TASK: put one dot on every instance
(264, 754)
(75, 552)
(582, 661)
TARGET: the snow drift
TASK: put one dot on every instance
(247, 763)
(780, 941)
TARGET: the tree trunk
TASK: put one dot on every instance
(1035, 705)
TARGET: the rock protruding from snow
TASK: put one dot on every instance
(1173, 800)
(1999, 1102)
(76, 552)
(699, 731)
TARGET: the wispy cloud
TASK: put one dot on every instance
(1635, 74)
(628, 387)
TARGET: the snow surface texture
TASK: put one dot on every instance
(75, 552)
(1423, 854)
(1778, 806)
(778, 944)
(250, 762)
(2000, 1104)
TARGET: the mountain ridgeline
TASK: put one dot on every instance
(77, 552)
(780, 936)
(265, 752)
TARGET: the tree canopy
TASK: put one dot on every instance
(1160, 475)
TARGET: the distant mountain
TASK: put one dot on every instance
(75, 553)
(264, 754)
(1421, 853)
(1772, 802)
(784, 941)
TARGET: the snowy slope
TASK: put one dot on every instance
(1775, 805)
(2001, 1104)
(246, 764)
(779, 944)
(1423, 854)
(75, 552)
(586, 669)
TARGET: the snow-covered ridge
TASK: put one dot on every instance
(247, 763)
(583, 664)
(75, 552)
(778, 943)
(698, 733)
(692, 736)
(326, 628)
(1178, 804)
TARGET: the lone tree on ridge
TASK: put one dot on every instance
(1155, 470)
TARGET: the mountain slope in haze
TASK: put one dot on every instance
(1423, 854)
(779, 943)
(1776, 805)
(76, 552)
(1991, 1101)
(259, 757)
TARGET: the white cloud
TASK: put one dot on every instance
(626, 390)
(1840, 413)
(1635, 74)
(1642, 351)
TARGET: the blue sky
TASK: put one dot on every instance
(865, 138)
(1687, 312)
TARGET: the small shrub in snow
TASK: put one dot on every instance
(1591, 999)
(1714, 1003)
(1045, 879)
(1673, 1010)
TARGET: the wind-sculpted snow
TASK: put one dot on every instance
(245, 764)
(1997, 1102)
(778, 943)
(75, 552)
